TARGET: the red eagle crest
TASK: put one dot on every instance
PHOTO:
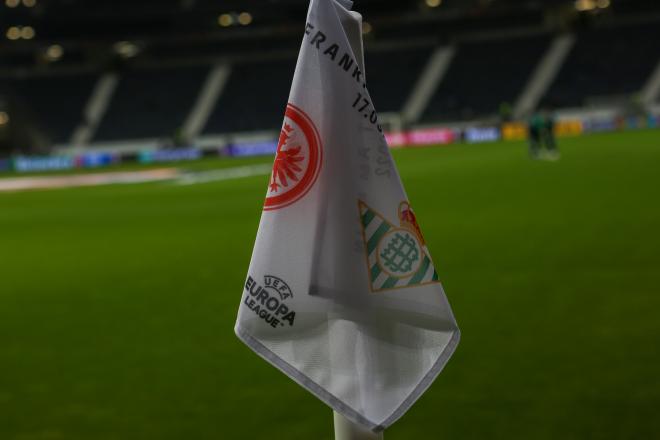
(286, 161)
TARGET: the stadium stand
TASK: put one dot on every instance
(484, 75)
(446, 30)
(256, 93)
(627, 54)
(55, 103)
(244, 48)
(498, 45)
(392, 74)
(151, 103)
(254, 97)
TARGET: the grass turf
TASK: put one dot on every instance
(117, 303)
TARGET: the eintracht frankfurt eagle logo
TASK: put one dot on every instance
(297, 161)
(397, 256)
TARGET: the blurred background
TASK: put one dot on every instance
(126, 76)
(136, 138)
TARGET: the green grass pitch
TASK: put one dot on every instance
(117, 303)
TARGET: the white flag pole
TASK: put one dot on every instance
(347, 430)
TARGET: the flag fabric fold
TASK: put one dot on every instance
(342, 294)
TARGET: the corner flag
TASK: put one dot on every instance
(342, 294)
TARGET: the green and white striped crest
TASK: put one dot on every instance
(396, 255)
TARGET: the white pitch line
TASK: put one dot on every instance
(91, 179)
(130, 177)
(223, 174)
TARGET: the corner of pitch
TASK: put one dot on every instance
(267, 301)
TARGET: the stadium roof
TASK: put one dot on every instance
(74, 32)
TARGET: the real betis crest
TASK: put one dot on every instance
(397, 256)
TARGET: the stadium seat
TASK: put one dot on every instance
(54, 103)
(392, 74)
(151, 103)
(254, 97)
(628, 55)
(483, 75)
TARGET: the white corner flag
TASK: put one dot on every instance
(342, 294)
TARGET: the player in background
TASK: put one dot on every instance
(536, 125)
(548, 137)
(542, 141)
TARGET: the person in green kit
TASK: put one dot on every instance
(542, 143)
(536, 127)
(548, 137)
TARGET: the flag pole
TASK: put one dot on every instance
(347, 430)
